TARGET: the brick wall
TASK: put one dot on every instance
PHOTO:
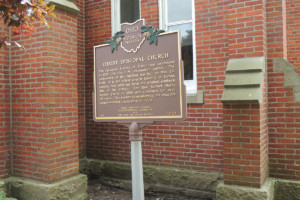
(97, 30)
(45, 102)
(4, 109)
(283, 111)
(195, 143)
(293, 32)
(245, 145)
(149, 11)
(284, 129)
(245, 125)
(276, 28)
(81, 75)
(53, 84)
(231, 29)
(246, 28)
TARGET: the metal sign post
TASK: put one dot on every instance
(135, 137)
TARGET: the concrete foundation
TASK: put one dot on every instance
(287, 189)
(23, 189)
(3, 187)
(156, 179)
(232, 192)
(204, 185)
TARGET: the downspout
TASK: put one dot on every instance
(10, 109)
(84, 71)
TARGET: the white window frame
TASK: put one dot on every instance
(191, 85)
(116, 15)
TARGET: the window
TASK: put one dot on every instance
(124, 11)
(179, 15)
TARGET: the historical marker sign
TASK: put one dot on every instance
(139, 81)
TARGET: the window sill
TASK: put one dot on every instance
(195, 98)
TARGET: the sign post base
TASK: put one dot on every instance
(135, 137)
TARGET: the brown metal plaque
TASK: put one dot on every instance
(144, 84)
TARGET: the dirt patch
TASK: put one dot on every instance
(97, 191)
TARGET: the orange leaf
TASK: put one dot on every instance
(51, 8)
(52, 14)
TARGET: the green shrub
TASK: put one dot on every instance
(3, 197)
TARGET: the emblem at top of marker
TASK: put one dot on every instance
(132, 36)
